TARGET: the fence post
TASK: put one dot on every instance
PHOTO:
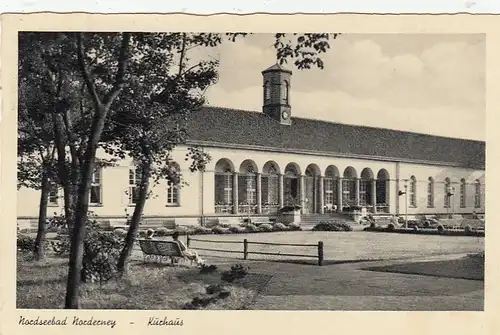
(188, 240)
(245, 249)
(320, 253)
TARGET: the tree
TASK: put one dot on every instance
(93, 67)
(151, 113)
(36, 160)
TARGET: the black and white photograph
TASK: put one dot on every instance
(298, 171)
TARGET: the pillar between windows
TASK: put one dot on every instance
(339, 195)
(356, 191)
(322, 195)
(259, 193)
(374, 195)
(281, 191)
(302, 193)
(235, 193)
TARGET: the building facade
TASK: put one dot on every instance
(262, 161)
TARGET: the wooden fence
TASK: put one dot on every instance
(245, 250)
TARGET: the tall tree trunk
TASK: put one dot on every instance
(81, 212)
(136, 219)
(42, 218)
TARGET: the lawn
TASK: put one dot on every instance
(148, 286)
(343, 246)
(471, 267)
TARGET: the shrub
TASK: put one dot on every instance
(391, 227)
(294, 226)
(220, 230)
(373, 225)
(279, 227)
(265, 227)
(120, 232)
(100, 256)
(202, 230)
(162, 231)
(332, 226)
(207, 268)
(25, 243)
(468, 229)
(440, 228)
(182, 230)
(237, 229)
(141, 233)
(251, 228)
(237, 271)
(214, 288)
(415, 227)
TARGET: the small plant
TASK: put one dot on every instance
(251, 228)
(214, 288)
(25, 243)
(142, 233)
(237, 271)
(120, 232)
(294, 226)
(468, 229)
(391, 227)
(182, 230)
(440, 228)
(236, 229)
(220, 230)
(202, 230)
(207, 268)
(278, 226)
(162, 232)
(332, 226)
(265, 227)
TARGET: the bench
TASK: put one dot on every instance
(160, 249)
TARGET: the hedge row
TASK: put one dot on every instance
(443, 232)
(219, 229)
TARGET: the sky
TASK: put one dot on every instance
(426, 83)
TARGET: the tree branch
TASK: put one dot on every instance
(120, 74)
(85, 72)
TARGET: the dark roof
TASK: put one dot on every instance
(237, 127)
(276, 67)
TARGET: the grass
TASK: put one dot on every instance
(343, 246)
(470, 267)
(147, 287)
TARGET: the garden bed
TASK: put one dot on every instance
(426, 231)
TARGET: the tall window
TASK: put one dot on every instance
(329, 189)
(173, 190)
(286, 92)
(267, 91)
(95, 188)
(363, 187)
(430, 193)
(463, 194)
(477, 194)
(270, 186)
(413, 191)
(53, 195)
(446, 193)
(134, 178)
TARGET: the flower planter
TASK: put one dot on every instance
(289, 215)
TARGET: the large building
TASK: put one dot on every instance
(262, 161)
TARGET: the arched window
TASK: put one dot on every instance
(447, 191)
(463, 191)
(285, 92)
(413, 191)
(267, 91)
(224, 172)
(477, 194)
(270, 188)
(430, 193)
(247, 187)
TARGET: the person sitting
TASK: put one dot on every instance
(187, 253)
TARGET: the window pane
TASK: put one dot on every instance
(95, 194)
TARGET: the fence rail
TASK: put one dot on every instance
(246, 252)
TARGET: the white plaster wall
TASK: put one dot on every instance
(195, 202)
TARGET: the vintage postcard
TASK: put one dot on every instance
(169, 166)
